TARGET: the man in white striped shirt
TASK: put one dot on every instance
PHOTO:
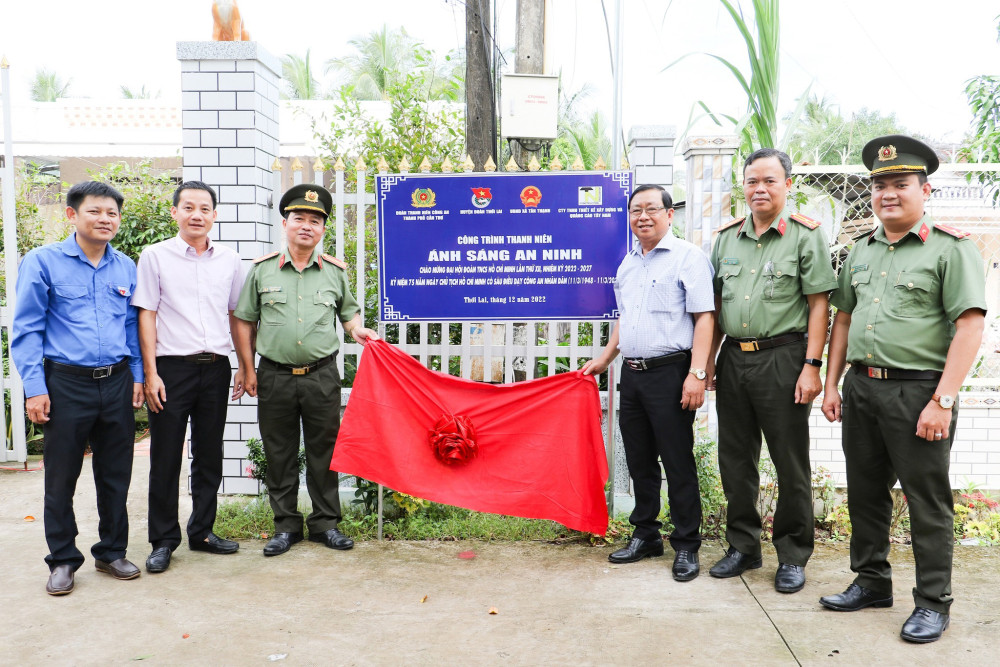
(666, 306)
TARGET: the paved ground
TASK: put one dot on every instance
(556, 604)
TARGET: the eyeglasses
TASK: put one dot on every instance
(651, 211)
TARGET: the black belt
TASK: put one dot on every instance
(88, 371)
(755, 344)
(200, 358)
(300, 370)
(896, 373)
(639, 364)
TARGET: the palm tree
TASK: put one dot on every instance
(142, 94)
(298, 79)
(48, 86)
(381, 59)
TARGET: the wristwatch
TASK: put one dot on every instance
(698, 373)
(946, 402)
(818, 363)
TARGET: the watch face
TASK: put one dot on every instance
(699, 373)
(947, 402)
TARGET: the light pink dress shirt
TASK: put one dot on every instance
(192, 295)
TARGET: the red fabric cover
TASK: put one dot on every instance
(540, 450)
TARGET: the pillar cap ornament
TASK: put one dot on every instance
(404, 165)
(425, 164)
(555, 164)
(382, 165)
(600, 164)
(534, 165)
(297, 165)
(339, 164)
(467, 164)
(360, 164)
(490, 164)
(511, 165)
(276, 165)
(577, 164)
(447, 167)
(319, 166)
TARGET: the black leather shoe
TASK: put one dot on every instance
(924, 626)
(60, 580)
(280, 543)
(686, 565)
(855, 598)
(333, 538)
(119, 569)
(159, 560)
(638, 549)
(734, 563)
(789, 578)
(214, 544)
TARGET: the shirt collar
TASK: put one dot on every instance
(921, 229)
(72, 248)
(285, 259)
(183, 246)
(666, 243)
(779, 224)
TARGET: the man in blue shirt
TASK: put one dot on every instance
(664, 294)
(76, 345)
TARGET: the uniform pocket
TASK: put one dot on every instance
(118, 303)
(325, 302)
(781, 283)
(71, 299)
(913, 294)
(729, 274)
(273, 308)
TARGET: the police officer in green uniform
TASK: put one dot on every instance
(772, 278)
(288, 308)
(910, 317)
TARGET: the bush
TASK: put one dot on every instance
(148, 196)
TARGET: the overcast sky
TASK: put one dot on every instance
(911, 58)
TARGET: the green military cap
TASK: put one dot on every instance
(898, 154)
(306, 197)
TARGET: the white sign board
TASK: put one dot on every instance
(530, 106)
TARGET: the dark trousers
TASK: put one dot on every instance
(880, 445)
(285, 402)
(756, 394)
(198, 392)
(654, 427)
(98, 412)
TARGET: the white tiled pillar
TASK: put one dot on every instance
(230, 121)
(709, 185)
(651, 154)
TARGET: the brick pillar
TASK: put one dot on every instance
(651, 154)
(709, 163)
(230, 122)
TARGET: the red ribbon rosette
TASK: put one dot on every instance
(453, 440)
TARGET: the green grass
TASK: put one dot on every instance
(251, 518)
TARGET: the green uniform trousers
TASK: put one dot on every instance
(755, 393)
(880, 446)
(284, 401)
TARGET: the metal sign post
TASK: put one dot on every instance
(611, 437)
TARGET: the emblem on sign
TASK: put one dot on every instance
(531, 196)
(312, 196)
(481, 197)
(887, 153)
(422, 198)
(589, 195)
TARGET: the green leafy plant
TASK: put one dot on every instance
(983, 95)
(148, 196)
(257, 461)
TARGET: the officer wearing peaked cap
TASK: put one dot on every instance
(288, 306)
(910, 314)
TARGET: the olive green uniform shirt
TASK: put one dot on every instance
(296, 308)
(904, 297)
(764, 280)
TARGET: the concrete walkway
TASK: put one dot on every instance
(562, 605)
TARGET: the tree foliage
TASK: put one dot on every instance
(48, 86)
(148, 196)
(297, 79)
(824, 136)
(983, 94)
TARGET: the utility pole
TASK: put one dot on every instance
(530, 53)
(480, 109)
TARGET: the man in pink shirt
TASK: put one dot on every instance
(186, 291)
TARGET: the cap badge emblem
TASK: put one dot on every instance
(313, 196)
(887, 153)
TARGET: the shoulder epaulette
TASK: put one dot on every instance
(267, 256)
(730, 224)
(953, 231)
(333, 260)
(804, 220)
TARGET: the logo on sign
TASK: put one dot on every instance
(531, 196)
(589, 195)
(423, 198)
(481, 197)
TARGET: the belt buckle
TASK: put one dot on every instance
(301, 370)
(877, 373)
(749, 346)
(102, 372)
(636, 364)
(205, 358)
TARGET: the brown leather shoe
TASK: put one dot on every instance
(60, 580)
(119, 569)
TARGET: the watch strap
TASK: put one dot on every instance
(818, 363)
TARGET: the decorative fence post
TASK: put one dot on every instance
(709, 185)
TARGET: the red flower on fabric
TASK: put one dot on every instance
(453, 439)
